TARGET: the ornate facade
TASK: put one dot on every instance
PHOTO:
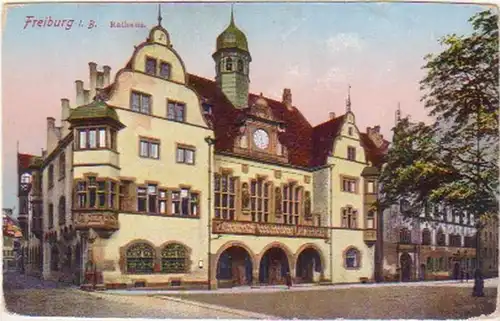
(440, 247)
(164, 178)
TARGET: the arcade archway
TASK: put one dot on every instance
(274, 266)
(309, 266)
(405, 262)
(234, 267)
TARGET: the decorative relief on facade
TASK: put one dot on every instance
(107, 221)
(244, 168)
(307, 179)
(277, 174)
(307, 205)
(245, 197)
(268, 229)
(277, 202)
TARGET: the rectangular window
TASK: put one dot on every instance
(176, 206)
(162, 201)
(175, 111)
(370, 187)
(51, 176)
(101, 193)
(141, 199)
(83, 139)
(150, 66)
(140, 102)
(149, 148)
(351, 153)
(225, 195)
(165, 70)
(185, 155)
(349, 185)
(112, 194)
(152, 198)
(92, 189)
(92, 138)
(102, 137)
(51, 216)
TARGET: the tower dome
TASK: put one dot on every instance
(232, 38)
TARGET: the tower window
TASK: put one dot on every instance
(150, 66)
(165, 70)
(240, 65)
(229, 64)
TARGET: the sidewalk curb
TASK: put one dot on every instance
(243, 313)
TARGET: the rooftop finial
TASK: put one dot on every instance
(232, 13)
(348, 100)
(398, 113)
(159, 15)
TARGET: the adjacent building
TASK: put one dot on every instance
(489, 245)
(11, 234)
(158, 177)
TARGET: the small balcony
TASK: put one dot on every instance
(268, 229)
(370, 236)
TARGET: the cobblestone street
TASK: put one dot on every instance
(28, 296)
(450, 300)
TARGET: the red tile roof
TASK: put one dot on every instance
(24, 160)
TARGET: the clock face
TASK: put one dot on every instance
(261, 139)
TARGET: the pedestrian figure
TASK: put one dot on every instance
(478, 289)
(467, 276)
(462, 275)
(288, 278)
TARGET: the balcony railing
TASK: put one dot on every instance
(268, 229)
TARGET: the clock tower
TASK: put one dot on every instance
(232, 62)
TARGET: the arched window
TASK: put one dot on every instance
(404, 236)
(426, 237)
(140, 259)
(51, 216)
(174, 258)
(352, 258)
(62, 210)
(229, 64)
(54, 258)
(441, 238)
(240, 65)
(349, 217)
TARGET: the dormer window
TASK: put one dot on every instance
(207, 109)
(150, 66)
(229, 64)
(95, 138)
(349, 130)
(165, 70)
(351, 153)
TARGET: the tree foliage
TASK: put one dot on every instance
(454, 161)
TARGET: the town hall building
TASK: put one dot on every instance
(159, 177)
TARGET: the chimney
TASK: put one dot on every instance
(287, 98)
(65, 110)
(332, 115)
(86, 96)
(93, 79)
(51, 123)
(100, 80)
(107, 75)
(79, 93)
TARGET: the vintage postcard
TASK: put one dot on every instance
(241, 160)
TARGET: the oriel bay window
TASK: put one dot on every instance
(259, 200)
(93, 192)
(292, 203)
(96, 138)
(225, 196)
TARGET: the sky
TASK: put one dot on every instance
(315, 49)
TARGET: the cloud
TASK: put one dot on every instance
(344, 42)
(334, 79)
(297, 71)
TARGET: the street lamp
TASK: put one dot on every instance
(210, 141)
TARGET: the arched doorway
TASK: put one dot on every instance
(54, 258)
(405, 262)
(273, 266)
(234, 267)
(308, 264)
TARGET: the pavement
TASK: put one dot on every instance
(488, 283)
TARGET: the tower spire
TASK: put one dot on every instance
(159, 15)
(348, 100)
(398, 113)
(232, 13)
